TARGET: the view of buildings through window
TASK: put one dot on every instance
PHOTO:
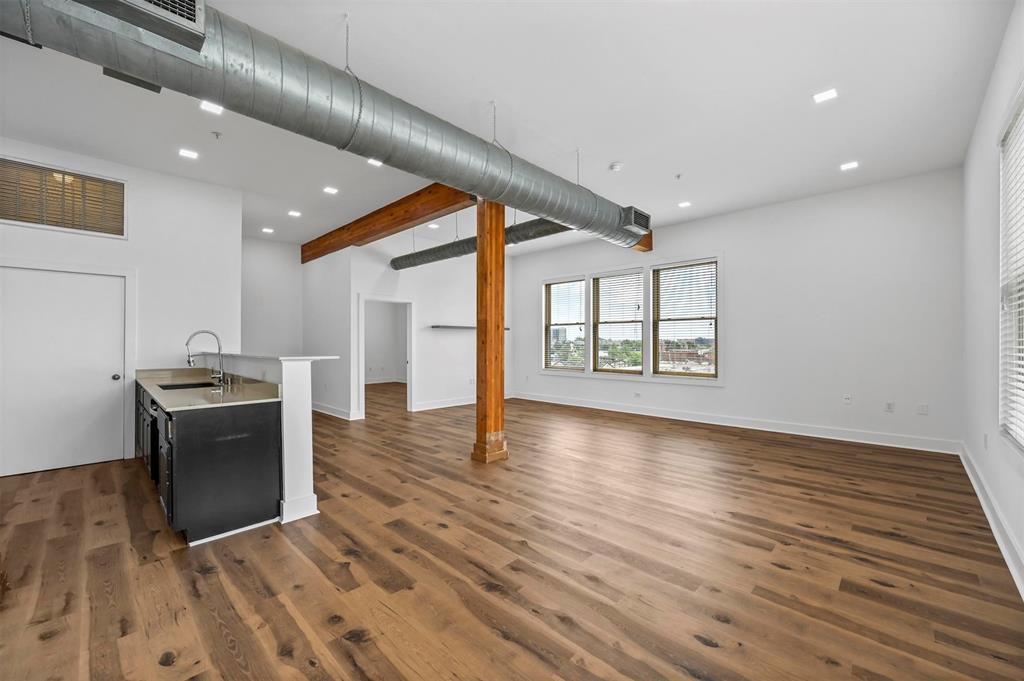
(564, 325)
(684, 322)
(685, 303)
(619, 323)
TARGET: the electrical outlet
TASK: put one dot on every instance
(890, 407)
(847, 398)
(922, 409)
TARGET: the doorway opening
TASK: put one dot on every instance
(386, 358)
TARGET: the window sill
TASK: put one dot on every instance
(1011, 442)
(667, 380)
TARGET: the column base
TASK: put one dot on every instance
(495, 448)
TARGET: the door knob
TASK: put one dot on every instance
(116, 377)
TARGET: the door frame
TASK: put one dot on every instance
(410, 351)
(130, 276)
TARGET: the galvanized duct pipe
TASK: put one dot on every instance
(516, 234)
(256, 75)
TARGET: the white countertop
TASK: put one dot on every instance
(240, 390)
(296, 358)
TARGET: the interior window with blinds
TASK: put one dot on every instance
(1011, 279)
(564, 325)
(57, 198)
(618, 319)
(685, 322)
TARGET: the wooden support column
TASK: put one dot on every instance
(490, 333)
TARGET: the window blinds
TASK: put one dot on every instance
(49, 196)
(618, 317)
(1011, 379)
(685, 321)
(564, 324)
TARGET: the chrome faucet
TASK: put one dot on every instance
(219, 375)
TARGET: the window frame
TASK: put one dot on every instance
(1014, 118)
(59, 167)
(709, 255)
(546, 304)
(656, 320)
(595, 321)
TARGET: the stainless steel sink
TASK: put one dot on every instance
(187, 386)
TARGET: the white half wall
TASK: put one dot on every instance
(385, 351)
(855, 292)
(271, 298)
(998, 464)
(183, 241)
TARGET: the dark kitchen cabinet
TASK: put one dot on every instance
(219, 467)
(145, 431)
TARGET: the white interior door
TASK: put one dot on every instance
(61, 369)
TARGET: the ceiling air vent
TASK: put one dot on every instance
(636, 220)
(182, 21)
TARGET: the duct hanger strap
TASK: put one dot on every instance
(27, 12)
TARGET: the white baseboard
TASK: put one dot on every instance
(849, 435)
(295, 509)
(1013, 553)
(395, 379)
(348, 415)
(441, 404)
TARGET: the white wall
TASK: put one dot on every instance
(852, 292)
(384, 349)
(326, 329)
(443, 361)
(995, 462)
(271, 298)
(442, 369)
(183, 243)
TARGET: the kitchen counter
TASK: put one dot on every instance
(240, 390)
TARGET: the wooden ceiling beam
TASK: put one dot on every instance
(431, 202)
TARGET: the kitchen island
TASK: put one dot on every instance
(212, 447)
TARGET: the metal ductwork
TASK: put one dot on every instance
(516, 234)
(256, 75)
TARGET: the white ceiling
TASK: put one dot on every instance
(718, 93)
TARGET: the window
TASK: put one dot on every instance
(618, 338)
(564, 326)
(685, 320)
(54, 197)
(1011, 279)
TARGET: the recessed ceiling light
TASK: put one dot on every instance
(374, 162)
(294, 213)
(433, 225)
(684, 204)
(188, 153)
(826, 95)
(211, 107)
(849, 165)
(268, 230)
(330, 190)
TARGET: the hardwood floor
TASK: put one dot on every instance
(609, 546)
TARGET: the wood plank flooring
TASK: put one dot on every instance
(609, 546)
